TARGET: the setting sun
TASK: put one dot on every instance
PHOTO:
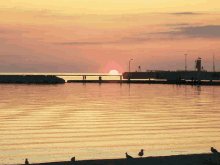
(113, 72)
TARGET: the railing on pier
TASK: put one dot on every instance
(88, 75)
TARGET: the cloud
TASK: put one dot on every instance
(180, 24)
(4, 30)
(79, 43)
(35, 63)
(3, 40)
(185, 13)
(178, 31)
(123, 40)
(14, 58)
(208, 31)
(48, 14)
(134, 39)
(182, 32)
(62, 17)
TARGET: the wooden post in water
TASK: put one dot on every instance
(100, 79)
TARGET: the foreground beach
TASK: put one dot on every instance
(195, 159)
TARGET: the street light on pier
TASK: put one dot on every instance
(129, 64)
(185, 62)
(129, 70)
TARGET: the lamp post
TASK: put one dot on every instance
(185, 62)
(129, 70)
(213, 63)
(129, 64)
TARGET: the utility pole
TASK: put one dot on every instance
(129, 70)
(129, 64)
(185, 62)
(213, 62)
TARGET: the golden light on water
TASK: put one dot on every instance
(113, 72)
(104, 121)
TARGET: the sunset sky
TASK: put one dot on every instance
(90, 36)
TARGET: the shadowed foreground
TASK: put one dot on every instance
(197, 159)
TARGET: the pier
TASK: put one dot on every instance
(173, 75)
(147, 82)
(91, 75)
(141, 76)
(199, 74)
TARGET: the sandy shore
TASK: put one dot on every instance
(197, 159)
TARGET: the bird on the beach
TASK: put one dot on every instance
(128, 156)
(73, 159)
(26, 161)
(214, 150)
(141, 153)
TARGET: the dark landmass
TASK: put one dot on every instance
(147, 82)
(195, 159)
(30, 79)
(51, 79)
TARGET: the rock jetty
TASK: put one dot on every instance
(31, 79)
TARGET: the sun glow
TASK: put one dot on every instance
(113, 72)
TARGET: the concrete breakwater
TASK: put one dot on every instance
(31, 79)
(195, 159)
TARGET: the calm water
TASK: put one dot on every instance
(88, 121)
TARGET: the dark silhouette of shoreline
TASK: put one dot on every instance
(191, 159)
(52, 79)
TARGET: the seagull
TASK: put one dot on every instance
(141, 153)
(128, 156)
(26, 161)
(73, 159)
(214, 150)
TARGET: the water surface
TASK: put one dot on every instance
(94, 121)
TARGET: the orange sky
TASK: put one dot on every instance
(99, 36)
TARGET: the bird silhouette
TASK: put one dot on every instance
(73, 159)
(128, 156)
(26, 161)
(214, 150)
(141, 153)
